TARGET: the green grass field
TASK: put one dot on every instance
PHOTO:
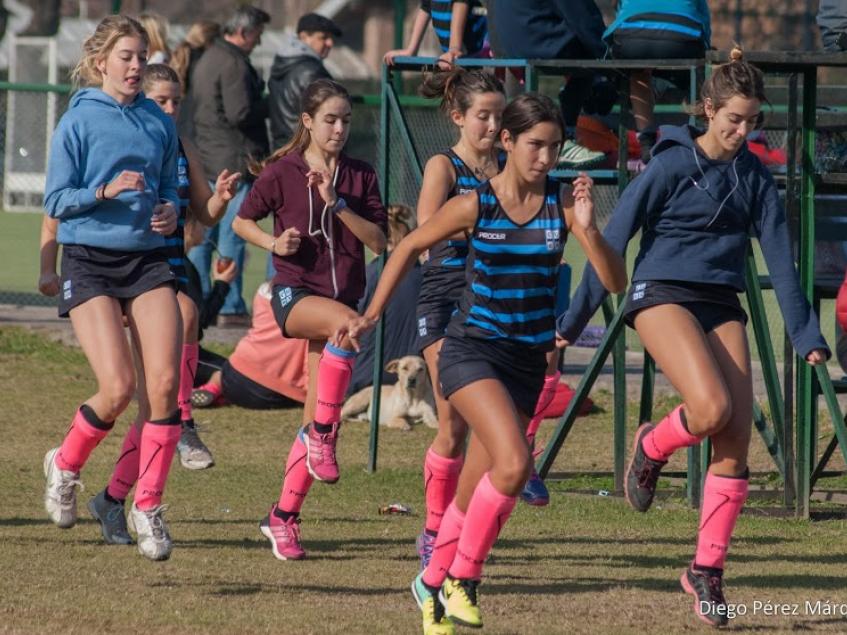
(585, 564)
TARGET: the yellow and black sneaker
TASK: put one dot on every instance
(434, 620)
(459, 598)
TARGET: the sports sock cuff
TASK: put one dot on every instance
(92, 419)
(171, 420)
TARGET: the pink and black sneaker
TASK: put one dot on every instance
(284, 536)
(320, 453)
(706, 585)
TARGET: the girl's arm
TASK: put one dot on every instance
(608, 264)
(459, 214)
(64, 193)
(458, 21)
(415, 39)
(369, 233)
(256, 207)
(208, 207)
(771, 229)
(48, 281)
(438, 179)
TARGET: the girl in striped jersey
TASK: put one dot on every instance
(196, 201)
(474, 101)
(492, 361)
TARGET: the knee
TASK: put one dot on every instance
(163, 386)
(708, 416)
(117, 393)
(513, 473)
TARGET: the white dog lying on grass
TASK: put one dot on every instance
(408, 401)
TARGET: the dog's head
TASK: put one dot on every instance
(410, 371)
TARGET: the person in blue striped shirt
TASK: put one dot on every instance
(493, 359)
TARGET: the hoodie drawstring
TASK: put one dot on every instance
(325, 231)
(703, 188)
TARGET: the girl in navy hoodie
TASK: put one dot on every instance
(696, 204)
(112, 184)
(326, 208)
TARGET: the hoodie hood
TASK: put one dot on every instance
(671, 136)
(293, 46)
(95, 98)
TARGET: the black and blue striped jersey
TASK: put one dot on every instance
(476, 29)
(175, 243)
(511, 273)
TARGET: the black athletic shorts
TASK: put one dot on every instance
(240, 390)
(89, 272)
(710, 304)
(283, 300)
(441, 290)
(464, 360)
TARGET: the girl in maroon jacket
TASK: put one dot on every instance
(326, 207)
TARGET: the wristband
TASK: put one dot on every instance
(273, 246)
(100, 192)
(340, 204)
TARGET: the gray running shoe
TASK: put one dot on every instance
(154, 542)
(193, 453)
(60, 492)
(111, 518)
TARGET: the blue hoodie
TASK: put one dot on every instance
(96, 140)
(696, 216)
(677, 18)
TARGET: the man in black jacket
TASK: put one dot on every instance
(229, 124)
(298, 63)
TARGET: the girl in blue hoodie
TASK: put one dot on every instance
(696, 204)
(112, 184)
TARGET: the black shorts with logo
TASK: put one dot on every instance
(89, 272)
(441, 290)
(710, 304)
(284, 298)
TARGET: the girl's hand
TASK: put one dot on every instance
(323, 180)
(817, 356)
(354, 329)
(164, 219)
(561, 342)
(226, 185)
(388, 58)
(287, 243)
(48, 284)
(125, 181)
(227, 272)
(445, 60)
(583, 202)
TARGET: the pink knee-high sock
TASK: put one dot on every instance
(487, 512)
(723, 498)
(548, 391)
(126, 467)
(444, 551)
(187, 372)
(441, 476)
(297, 480)
(668, 436)
(158, 445)
(334, 371)
(86, 431)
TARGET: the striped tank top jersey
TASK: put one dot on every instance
(476, 29)
(511, 273)
(452, 253)
(175, 243)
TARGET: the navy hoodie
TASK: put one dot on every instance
(696, 215)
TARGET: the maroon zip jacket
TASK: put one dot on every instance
(281, 190)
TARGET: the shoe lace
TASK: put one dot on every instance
(66, 489)
(648, 475)
(157, 522)
(715, 584)
(288, 531)
(115, 512)
(325, 448)
(470, 588)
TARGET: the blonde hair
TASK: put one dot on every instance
(200, 35)
(98, 46)
(157, 32)
(313, 97)
(401, 222)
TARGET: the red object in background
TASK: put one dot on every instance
(768, 156)
(564, 394)
(222, 264)
(841, 305)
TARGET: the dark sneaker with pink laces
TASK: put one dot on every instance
(642, 474)
(706, 585)
(284, 536)
(320, 454)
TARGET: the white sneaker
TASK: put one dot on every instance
(153, 539)
(573, 155)
(60, 492)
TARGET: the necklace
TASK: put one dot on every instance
(480, 171)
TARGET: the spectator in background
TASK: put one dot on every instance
(554, 29)
(199, 37)
(656, 29)
(461, 27)
(832, 21)
(157, 30)
(229, 123)
(297, 64)
(401, 335)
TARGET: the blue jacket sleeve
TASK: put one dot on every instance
(169, 179)
(64, 193)
(771, 229)
(645, 195)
